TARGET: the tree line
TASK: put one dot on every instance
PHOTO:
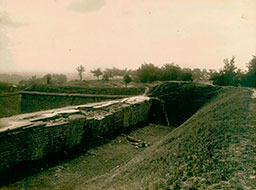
(229, 75)
(46, 79)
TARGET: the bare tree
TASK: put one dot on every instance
(80, 71)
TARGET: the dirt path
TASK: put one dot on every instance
(93, 163)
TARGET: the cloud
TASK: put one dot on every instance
(6, 61)
(5, 20)
(86, 5)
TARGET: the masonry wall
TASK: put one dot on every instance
(37, 101)
(89, 90)
(32, 136)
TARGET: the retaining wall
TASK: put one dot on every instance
(32, 136)
(88, 90)
(37, 101)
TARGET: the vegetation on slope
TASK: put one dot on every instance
(181, 99)
(65, 170)
(9, 105)
(9, 100)
(214, 149)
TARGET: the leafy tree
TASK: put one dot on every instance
(148, 73)
(197, 74)
(229, 75)
(186, 75)
(105, 76)
(170, 72)
(109, 73)
(97, 73)
(55, 79)
(80, 71)
(127, 79)
(33, 80)
(61, 79)
(49, 79)
(249, 79)
(23, 83)
(205, 75)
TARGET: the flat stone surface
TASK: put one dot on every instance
(73, 94)
(89, 111)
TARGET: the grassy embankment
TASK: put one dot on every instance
(9, 101)
(9, 104)
(214, 149)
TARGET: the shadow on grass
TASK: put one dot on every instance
(28, 168)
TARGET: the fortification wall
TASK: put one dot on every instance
(32, 136)
(37, 101)
(88, 90)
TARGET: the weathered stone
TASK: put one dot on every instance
(32, 136)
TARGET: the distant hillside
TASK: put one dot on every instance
(214, 149)
(12, 78)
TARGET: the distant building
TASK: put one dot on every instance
(12, 88)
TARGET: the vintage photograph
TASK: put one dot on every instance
(127, 94)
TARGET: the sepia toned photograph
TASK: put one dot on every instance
(127, 95)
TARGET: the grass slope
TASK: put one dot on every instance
(214, 149)
(65, 171)
(9, 104)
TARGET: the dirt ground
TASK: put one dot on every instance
(94, 162)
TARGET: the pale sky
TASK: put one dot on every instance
(59, 35)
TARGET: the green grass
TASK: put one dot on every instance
(68, 172)
(9, 104)
(214, 149)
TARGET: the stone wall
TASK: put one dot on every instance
(32, 136)
(37, 101)
(88, 90)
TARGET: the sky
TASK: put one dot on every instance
(59, 35)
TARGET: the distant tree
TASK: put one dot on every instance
(186, 75)
(231, 76)
(33, 80)
(61, 79)
(105, 76)
(127, 79)
(97, 73)
(170, 71)
(109, 73)
(252, 65)
(148, 73)
(80, 71)
(47, 78)
(228, 76)
(23, 83)
(249, 78)
(197, 74)
(205, 75)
